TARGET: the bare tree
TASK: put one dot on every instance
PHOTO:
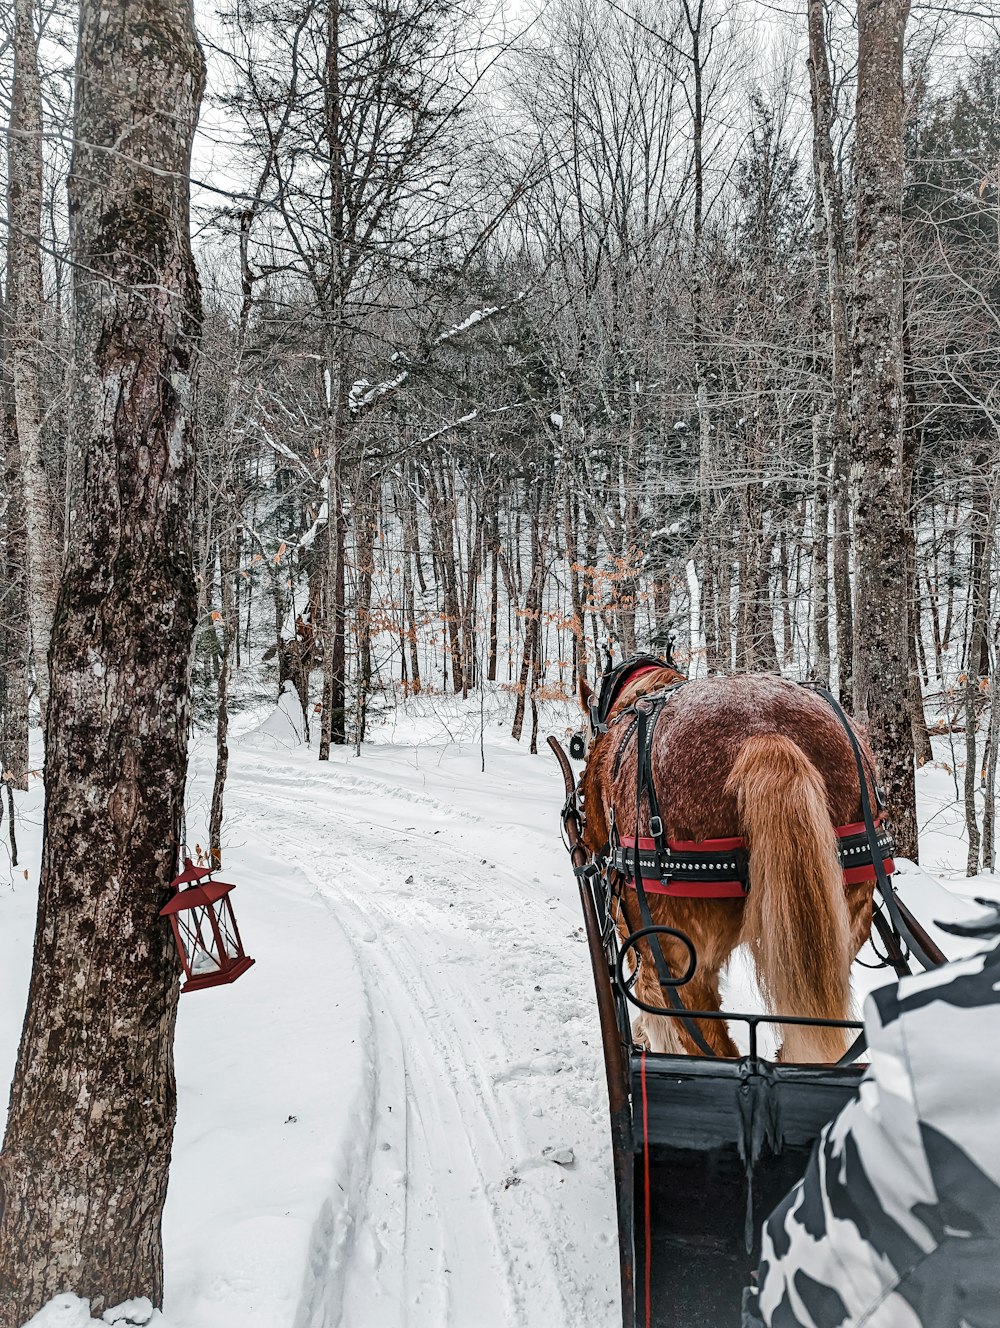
(14, 629)
(835, 453)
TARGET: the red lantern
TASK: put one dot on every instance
(205, 930)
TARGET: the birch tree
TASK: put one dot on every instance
(26, 299)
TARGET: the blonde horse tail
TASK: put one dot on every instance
(796, 921)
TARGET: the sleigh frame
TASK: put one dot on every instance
(703, 1147)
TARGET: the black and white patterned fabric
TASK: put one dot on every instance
(896, 1223)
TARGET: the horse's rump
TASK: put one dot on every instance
(758, 756)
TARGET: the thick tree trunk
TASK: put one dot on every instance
(85, 1160)
(882, 636)
(27, 302)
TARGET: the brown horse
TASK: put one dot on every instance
(758, 757)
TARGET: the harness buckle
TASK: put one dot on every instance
(656, 827)
(597, 724)
(587, 872)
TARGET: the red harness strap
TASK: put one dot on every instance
(734, 889)
(714, 849)
(646, 668)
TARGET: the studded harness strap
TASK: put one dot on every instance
(718, 868)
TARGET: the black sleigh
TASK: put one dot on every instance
(705, 1147)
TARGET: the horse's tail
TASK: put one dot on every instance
(796, 920)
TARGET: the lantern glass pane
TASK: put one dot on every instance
(199, 942)
(227, 930)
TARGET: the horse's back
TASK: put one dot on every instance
(699, 734)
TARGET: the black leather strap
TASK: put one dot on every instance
(667, 980)
(882, 881)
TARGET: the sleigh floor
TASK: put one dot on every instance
(726, 1140)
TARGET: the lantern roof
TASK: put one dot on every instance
(190, 873)
(196, 896)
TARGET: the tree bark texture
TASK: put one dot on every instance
(27, 302)
(977, 648)
(229, 619)
(86, 1155)
(881, 621)
(831, 206)
(14, 632)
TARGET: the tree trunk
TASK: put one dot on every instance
(27, 303)
(491, 667)
(87, 1150)
(976, 647)
(990, 799)
(531, 611)
(14, 631)
(830, 200)
(365, 519)
(579, 636)
(334, 726)
(882, 637)
(228, 556)
(820, 662)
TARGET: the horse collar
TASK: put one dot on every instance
(613, 683)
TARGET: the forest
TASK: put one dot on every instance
(526, 345)
(504, 344)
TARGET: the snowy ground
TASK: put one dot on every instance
(363, 1118)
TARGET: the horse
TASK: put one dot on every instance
(766, 759)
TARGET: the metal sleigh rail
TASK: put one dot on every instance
(707, 1146)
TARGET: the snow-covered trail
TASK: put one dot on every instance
(462, 925)
(363, 1117)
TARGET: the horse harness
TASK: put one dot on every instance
(708, 868)
(715, 868)
(712, 868)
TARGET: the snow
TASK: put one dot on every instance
(308, 539)
(398, 1115)
(285, 726)
(477, 316)
(362, 394)
(69, 1311)
(284, 451)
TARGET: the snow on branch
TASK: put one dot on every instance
(307, 539)
(446, 428)
(364, 394)
(476, 414)
(285, 451)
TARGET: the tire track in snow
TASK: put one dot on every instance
(467, 1249)
(459, 1104)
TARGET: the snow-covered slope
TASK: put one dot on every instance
(364, 1118)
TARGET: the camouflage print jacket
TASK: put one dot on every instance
(896, 1223)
